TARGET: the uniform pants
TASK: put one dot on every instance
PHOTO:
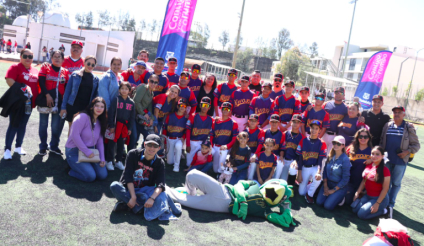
(195, 146)
(304, 188)
(282, 170)
(218, 157)
(328, 139)
(175, 148)
(240, 122)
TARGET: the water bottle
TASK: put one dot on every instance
(28, 107)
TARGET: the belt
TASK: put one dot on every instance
(310, 165)
(173, 137)
(240, 116)
(331, 133)
(288, 159)
(217, 145)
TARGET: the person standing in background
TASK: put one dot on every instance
(109, 83)
(28, 45)
(261, 105)
(304, 101)
(195, 81)
(375, 118)
(173, 78)
(162, 87)
(286, 106)
(15, 50)
(224, 91)
(255, 83)
(207, 90)
(277, 89)
(74, 62)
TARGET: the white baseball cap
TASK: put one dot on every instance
(340, 139)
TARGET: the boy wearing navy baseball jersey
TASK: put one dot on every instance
(255, 143)
(195, 81)
(187, 93)
(311, 151)
(316, 113)
(286, 105)
(223, 135)
(198, 128)
(173, 78)
(261, 105)
(337, 111)
(277, 89)
(162, 87)
(304, 101)
(241, 99)
(266, 162)
(224, 91)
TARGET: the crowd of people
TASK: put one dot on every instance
(237, 130)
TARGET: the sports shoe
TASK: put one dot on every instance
(176, 169)
(342, 202)
(7, 155)
(20, 151)
(42, 152)
(389, 214)
(120, 206)
(119, 165)
(56, 151)
(109, 166)
(309, 199)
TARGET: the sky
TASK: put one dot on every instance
(327, 22)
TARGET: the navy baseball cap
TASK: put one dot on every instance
(399, 107)
(279, 75)
(232, 70)
(182, 101)
(196, 67)
(320, 94)
(185, 73)
(291, 82)
(245, 77)
(274, 117)
(267, 84)
(340, 89)
(254, 117)
(315, 122)
(378, 97)
(297, 117)
(227, 105)
(140, 63)
(304, 88)
(206, 100)
(172, 59)
(207, 143)
(257, 71)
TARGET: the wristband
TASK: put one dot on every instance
(152, 198)
(377, 203)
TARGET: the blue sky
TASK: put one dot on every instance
(327, 22)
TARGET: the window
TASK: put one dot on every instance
(350, 75)
(352, 64)
(364, 63)
(359, 77)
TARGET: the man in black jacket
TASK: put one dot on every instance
(143, 168)
(375, 118)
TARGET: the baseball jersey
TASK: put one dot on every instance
(279, 140)
(261, 107)
(241, 101)
(223, 93)
(174, 125)
(173, 78)
(256, 139)
(265, 164)
(347, 128)
(357, 160)
(224, 132)
(161, 103)
(199, 127)
(336, 112)
(322, 116)
(200, 159)
(304, 105)
(311, 152)
(72, 65)
(286, 107)
(29, 77)
(162, 87)
(189, 95)
(194, 85)
(274, 94)
(52, 77)
(256, 89)
(129, 76)
(291, 141)
(241, 157)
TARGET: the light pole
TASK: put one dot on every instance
(348, 41)
(413, 72)
(41, 13)
(238, 37)
(28, 16)
(400, 72)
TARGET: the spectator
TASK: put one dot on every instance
(399, 139)
(162, 87)
(74, 62)
(255, 83)
(335, 176)
(375, 119)
(44, 53)
(202, 159)
(87, 131)
(52, 81)
(277, 89)
(15, 47)
(25, 77)
(376, 181)
(239, 158)
(350, 123)
(9, 46)
(28, 45)
(62, 48)
(329, 95)
(51, 54)
(207, 90)
(109, 83)
(2, 44)
(80, 91)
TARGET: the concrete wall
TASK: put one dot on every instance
(414, 110)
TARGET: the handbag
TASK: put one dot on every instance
(95, 158)
(41, 100)
(109, 135)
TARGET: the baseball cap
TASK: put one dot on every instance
(206, 100)
(182, 101)
(172, 59)
(279, 75)
(399, 107)
(227, 105)
(315, 122)
(185, 73)
(339, 89)
(320, 94)
(274, 117)
(257, 71)
(297, 117)
(232, 70)
(339, 139)
(304, 88)
(77, 43)
(253, 117)
(291, 82)
(245, 78)
(206, 143)
(196, 67)
(377, 97)
(153, 138)
(141, 63)
(267, 84)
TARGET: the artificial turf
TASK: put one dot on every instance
(41, 205)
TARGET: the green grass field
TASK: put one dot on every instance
(41, 205)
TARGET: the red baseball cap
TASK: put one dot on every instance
(77, 43)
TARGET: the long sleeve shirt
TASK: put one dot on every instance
(124, 111)
(338, 170)
(143, 100)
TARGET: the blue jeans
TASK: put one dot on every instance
(56, 126)
(363, 209)
(19, 131)
(134, 137)
(331, 201)
(239, 175)
(123, 195)
(396, 176)
(84, 171)
(159, 126)
(141, 130)
(203, 168)
(350, 193)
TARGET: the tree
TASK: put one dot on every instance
(158, 28)
(272, 50)
(52, 4)
(283, 42)
(142, 27)
(224, 38)
(80, 19)
(89, 19)
(313, 50)
(201, 35)
(293, 63)
(244, 59)
(152, 28)
(104, 18)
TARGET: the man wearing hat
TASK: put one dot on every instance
(399, 139)
(143, 55)
(304, 101)
(224, 91)
(277, 89)
(255, 143)
(277, 135)
(187, 93)
(261, 105)
(195, 81)
(198, 128)
(162, 87)
(337, 111)
(173, 78)
(143, 169)
(255, 82)
(74, 62)
(286, 105)
(241, 99)
(135, 76)
(223, 135)
(375, 118)
(316, 113)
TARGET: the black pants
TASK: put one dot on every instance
(113, 148)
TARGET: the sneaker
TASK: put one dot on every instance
(56, 151)
(120, 207)
(176, 169)
(109, 166)
(119, 165)
(389, 214)
(20, 151)
(342, 202)
(309, 199)
(42, 152)
(7, 155)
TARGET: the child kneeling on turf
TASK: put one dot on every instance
(226, 173)
(202, 159)
(266, 163)
(239, 158)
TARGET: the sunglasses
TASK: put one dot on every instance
(336, 143)
(363, 137)
(91, 64)
(278, 80)
(183, 106)
(204, 105)
(319, 98)
(196, 71)
(154, 82)
(232, 75)
(184, 77)
(152, 145)
(226, 109)
(27, 56)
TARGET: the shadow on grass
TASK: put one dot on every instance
(416, 167)
(154, 227)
